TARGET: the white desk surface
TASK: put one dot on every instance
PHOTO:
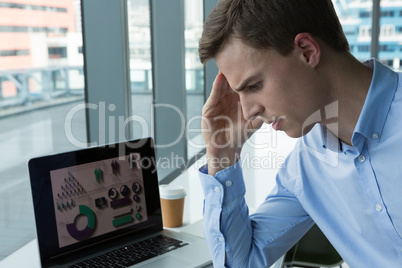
(28, 255)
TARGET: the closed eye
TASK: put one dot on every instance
(255, 86)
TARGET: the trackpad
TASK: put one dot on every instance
(167, 262)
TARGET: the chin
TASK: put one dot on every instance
(293, 135)
(298, 132)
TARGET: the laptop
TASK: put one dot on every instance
(100, 207)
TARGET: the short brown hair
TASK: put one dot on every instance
(270, 24)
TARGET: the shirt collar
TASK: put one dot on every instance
(322, 144)
(377, 104)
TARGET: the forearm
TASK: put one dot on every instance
(228, 234)
(227, 227)
(237, 240)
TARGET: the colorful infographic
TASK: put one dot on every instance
(97, 198)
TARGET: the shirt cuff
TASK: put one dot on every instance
(225, 189)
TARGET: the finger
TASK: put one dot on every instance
(217, 87)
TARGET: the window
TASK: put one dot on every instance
(29, 29)
(37, 95)
(365, 31)
(387, 31)
(387, 48)
(135, 85)
(14, 52)
(32, 7)
(139, 31)
(57, 52)
(363, 48)
(356, 15)
(359, 13)
(194, 75)
(387, 13)
(350, 33)
(365, 14)
(389, 40)
(166, 103)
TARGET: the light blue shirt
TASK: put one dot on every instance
(353, 193)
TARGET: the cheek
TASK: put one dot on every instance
(280, 96)
(302, 96)
(270, 100)
(290, 95)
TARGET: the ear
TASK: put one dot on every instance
(309, 48)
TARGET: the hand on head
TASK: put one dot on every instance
(223, 126)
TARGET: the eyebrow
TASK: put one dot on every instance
(244, 83)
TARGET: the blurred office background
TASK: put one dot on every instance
(141, 77)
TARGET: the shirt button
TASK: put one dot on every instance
(378, 207)
(374, 135)
(362, 158)
(221, 239)
(228, 183)
(217, 189)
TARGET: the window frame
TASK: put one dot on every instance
(106, 44)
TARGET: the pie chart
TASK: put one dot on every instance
(87, 231)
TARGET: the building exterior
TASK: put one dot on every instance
(35, 37)
(39, 33)
(41, 47)
(355, 16)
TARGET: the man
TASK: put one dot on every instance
(287, 63)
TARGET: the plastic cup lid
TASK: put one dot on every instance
(171, 191)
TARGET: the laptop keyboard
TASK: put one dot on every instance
(134, 253)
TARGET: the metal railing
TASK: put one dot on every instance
(23, 86)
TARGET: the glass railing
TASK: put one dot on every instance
(44, 85)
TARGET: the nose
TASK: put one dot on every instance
(249, 107)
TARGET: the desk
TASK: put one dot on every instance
(28, 255)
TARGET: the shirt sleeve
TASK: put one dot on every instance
(236, 239)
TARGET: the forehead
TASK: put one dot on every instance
(238, 61)
(236, 49)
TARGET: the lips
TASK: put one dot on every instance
(277, 124)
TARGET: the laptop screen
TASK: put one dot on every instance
(95, 196)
